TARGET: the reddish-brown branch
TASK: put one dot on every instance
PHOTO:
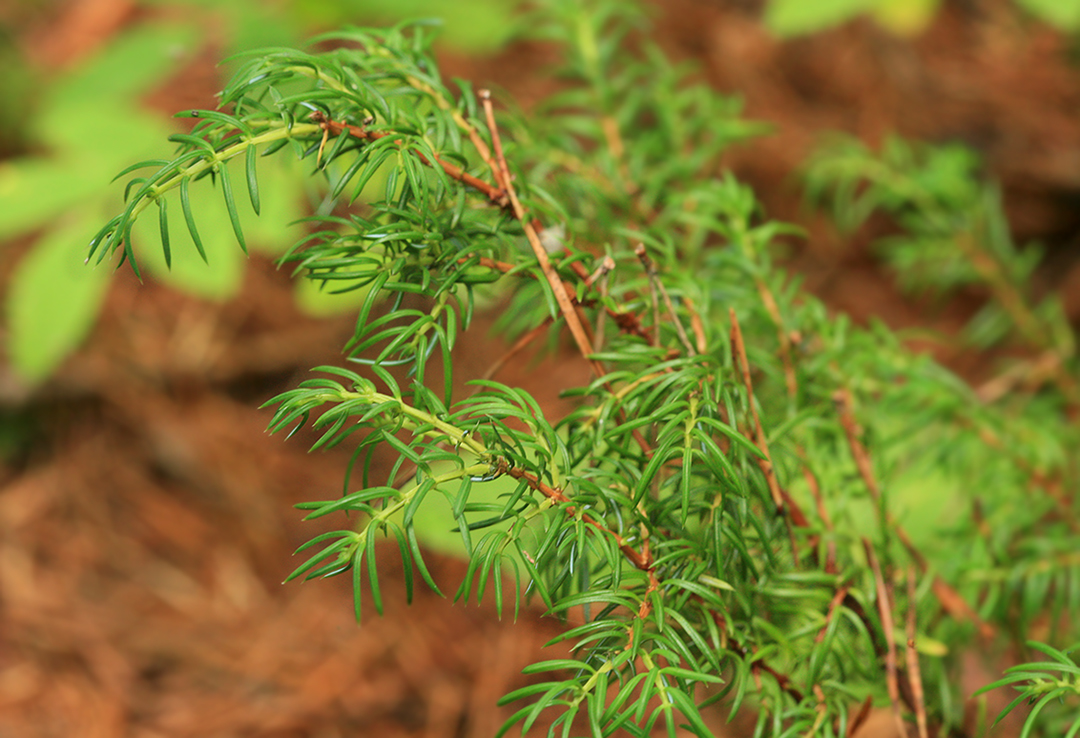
(558, 288)
(506, 197)
(760, 665)
(656, 286)
(785, 505)
(949, 598)
(627, 322)
(885, 612)
(696, 325)
(498, 163)
(738, 351)
(823, 513)
(495, 194)
(860, 717)
(834, 605)
(771, 306)
(912, 656)
(500, 266)
(600, 276)
(640, 560)
(1035, 331)
(517, 348)
(1051, 485)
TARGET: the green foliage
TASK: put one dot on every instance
(87, 121)
(51, 307)
(1045, 685)
(1065, 14)
(799, 17)
(721, 517)
(953, 233)
(91, 120)
(47, 303)
(792, 17)
(478, 26)
(17, 84)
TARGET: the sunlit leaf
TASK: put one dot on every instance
(797, 17)
(54, 298)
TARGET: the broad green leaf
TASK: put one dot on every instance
(54, 298)
(905, 17)
(108, 137)
(20, 85)
(1065, 14)
(130, 65)
(257, 25)
(34, 191)
(797, 17)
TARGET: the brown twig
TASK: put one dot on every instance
(760, 665)
(601, 275)
(517, 348)
(834, 605)
(639, 560)
(558, 287)
(738, 350)
(1028, 375)
(501, 266)
(950, 599)
(507, 198)
(627, 322)
(771, 306)
(655, 286)
(1051, 485)
(912, 657)
(860, 717)
(1032, 328)
(495, 194)
(696, 325)
(642, 560)
(498, 165)
(892, 682)
(823, 513)
(566, 305)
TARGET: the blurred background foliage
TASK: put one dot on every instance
(797, 17)
(65, 130)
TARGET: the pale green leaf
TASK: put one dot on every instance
(905, 17)
(1065, 14)
(129, 65)
(34, 191)
(54, 298)
(797, 17)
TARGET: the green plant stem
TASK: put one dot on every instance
(421, 418)
(278, 130)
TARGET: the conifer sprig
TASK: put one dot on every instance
(727, 512)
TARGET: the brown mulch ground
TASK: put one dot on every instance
(145, 516)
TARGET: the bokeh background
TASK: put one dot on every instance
(146, 518)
